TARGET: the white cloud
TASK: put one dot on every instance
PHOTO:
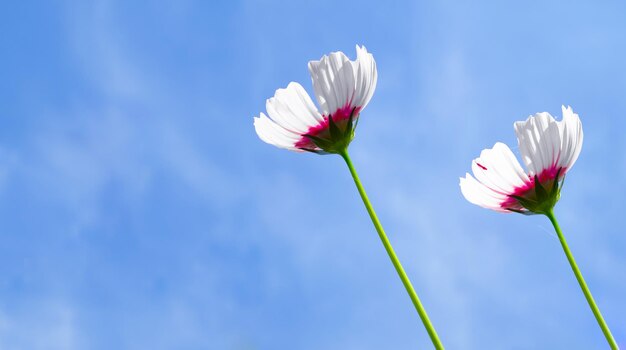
(78, 150)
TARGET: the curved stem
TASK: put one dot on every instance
(583, 285)
(392, 255)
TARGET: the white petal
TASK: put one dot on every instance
(333, 81)
(479, 194)
(539, 142)
(498, 174)
(293, 109)
(366, 77)
(498, 169)
(571, 138)
(275, 134)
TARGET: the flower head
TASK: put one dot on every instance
(549, 149)
(342, 87)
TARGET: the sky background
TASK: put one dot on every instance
(139, 210)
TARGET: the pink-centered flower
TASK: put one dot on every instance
(549, 149)
(342, 88)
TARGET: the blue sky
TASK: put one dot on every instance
(139, 210)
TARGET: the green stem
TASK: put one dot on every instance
(392, 255)
(583, 285)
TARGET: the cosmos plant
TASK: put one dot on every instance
(343, 88)
(549, 149)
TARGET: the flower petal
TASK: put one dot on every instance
(539, 142)
(293, 109)
(333, 81)
(498, 169)
(571, 138)
(366, 77)
(498, 174)
(481, 195)
(274, 134)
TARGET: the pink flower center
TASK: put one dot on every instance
(546, 179)
(340, 117)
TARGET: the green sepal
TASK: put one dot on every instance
(314, 138)
(335, 133)
(520, 211)
(556, 189)
(540, 192)
(319, 142)
(525, 202)
(313, 150)
(348, 132)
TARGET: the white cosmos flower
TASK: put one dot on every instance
(342, 88)
(549, 149)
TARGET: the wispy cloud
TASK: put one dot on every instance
(144, 197)
(40, 324)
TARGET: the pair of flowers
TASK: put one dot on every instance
(343, 88)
